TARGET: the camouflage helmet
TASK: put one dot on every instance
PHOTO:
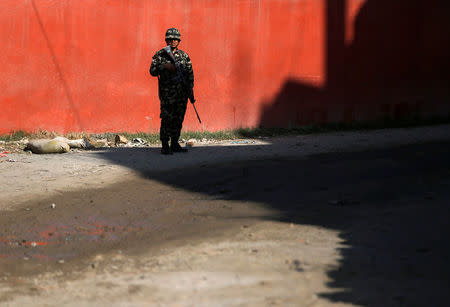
(173, 33)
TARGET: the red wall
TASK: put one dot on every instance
(79, 65)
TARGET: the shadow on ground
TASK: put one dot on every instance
(391, 207)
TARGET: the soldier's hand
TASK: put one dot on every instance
(169, 66)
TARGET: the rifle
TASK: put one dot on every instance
(179, 78)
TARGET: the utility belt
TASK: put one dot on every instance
(171, 81)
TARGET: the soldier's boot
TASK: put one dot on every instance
(176, 147)
(165, 150)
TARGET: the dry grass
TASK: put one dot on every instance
(153, 138)
(76, 135)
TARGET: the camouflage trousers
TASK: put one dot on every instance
(172, 116)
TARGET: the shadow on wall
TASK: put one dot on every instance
(58, 69)
(395, 66)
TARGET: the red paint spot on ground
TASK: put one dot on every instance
(42, 257)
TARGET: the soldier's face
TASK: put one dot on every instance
(172, 42)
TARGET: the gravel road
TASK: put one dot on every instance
(31, 176)
(339, 219)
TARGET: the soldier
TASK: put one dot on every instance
(172, 93)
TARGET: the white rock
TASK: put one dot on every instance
(80, 143)
(139, 141)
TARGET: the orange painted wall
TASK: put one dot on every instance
(79, 65)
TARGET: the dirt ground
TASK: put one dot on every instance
(338, 219)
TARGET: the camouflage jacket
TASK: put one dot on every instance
(168, 88)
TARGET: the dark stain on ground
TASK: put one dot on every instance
(391, 206)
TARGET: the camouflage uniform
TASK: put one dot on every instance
(172, 94)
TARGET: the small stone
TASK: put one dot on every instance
(307, 242)
(61, 261)
(191, 142)
(84, 143)
(53, 206)
(26, 258)
(27, 209)
(120, 139)
(138, 141)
